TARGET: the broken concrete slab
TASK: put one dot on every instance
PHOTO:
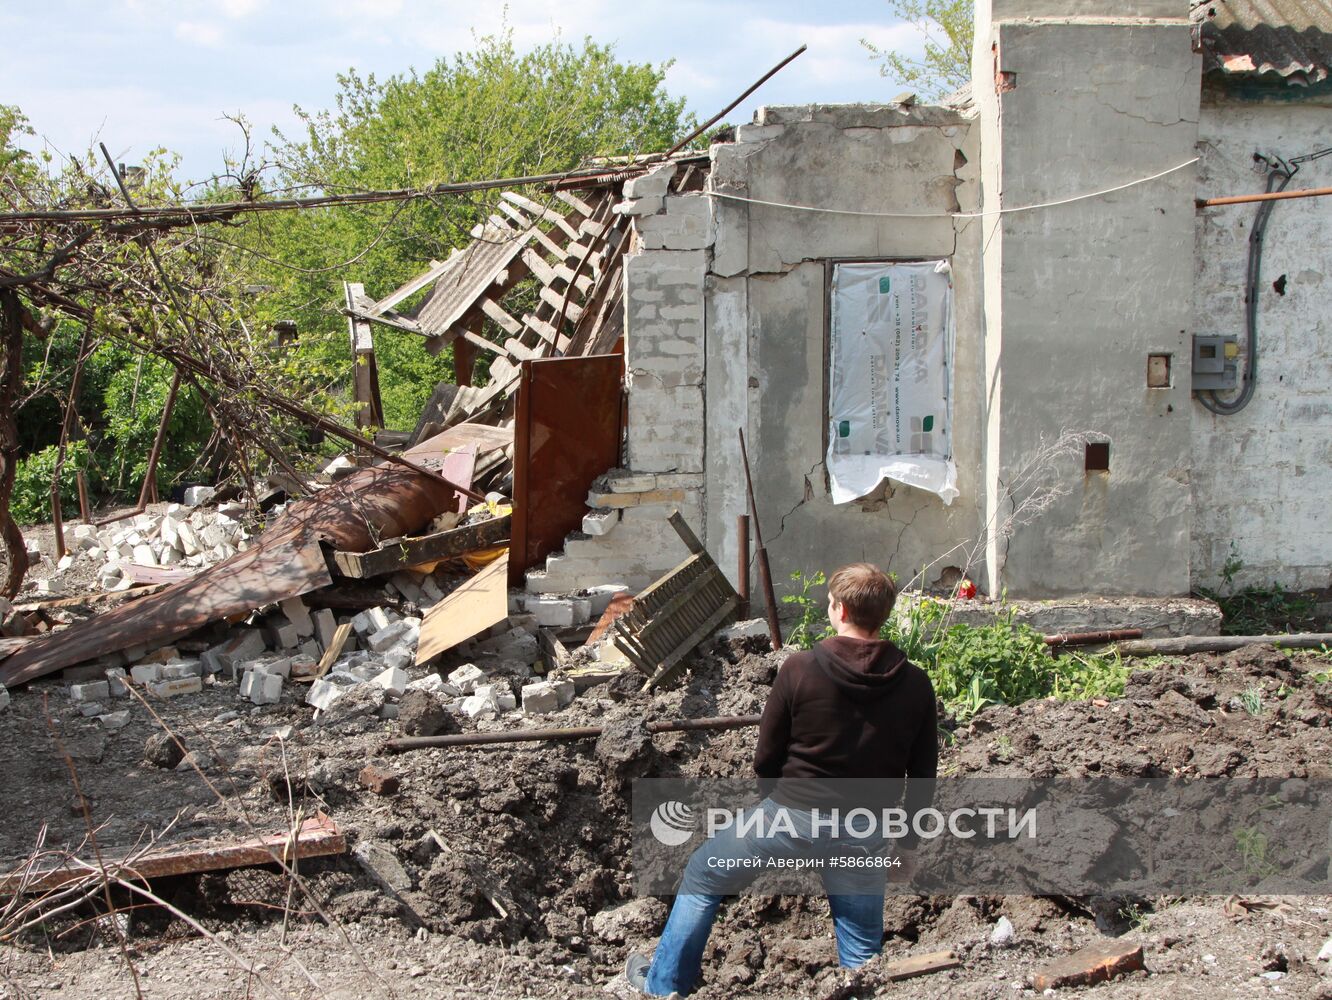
(115, 720)
(465, 679)
(539, 698)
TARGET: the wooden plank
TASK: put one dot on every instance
(572, 310)
(546, 332)
(523, 221)
(424, 549)
(318, 836)
(483, 436)
(575, 202)
(918, 965)
(437, 269)
(334, 649)
(540, 211)
(550, 246)
(543, 271)
(580, 281)
(519, 352)
(588, 227)
(479, 603)
(501, 316)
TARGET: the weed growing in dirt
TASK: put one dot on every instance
(1252, 700)
(1252, 846)
(812, 623)
(972, 666)
(1137, 916)
(1256, 610)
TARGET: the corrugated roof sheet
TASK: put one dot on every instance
(1289, 38)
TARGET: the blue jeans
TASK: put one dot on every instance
(855, 897)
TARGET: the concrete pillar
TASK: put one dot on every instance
(1074, 98)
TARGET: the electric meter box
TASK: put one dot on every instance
(1215, 362)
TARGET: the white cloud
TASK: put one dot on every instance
(237, 9)
(199, 33)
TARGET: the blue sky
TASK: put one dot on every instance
(144, 73)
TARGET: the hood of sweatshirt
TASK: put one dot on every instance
(862, 668)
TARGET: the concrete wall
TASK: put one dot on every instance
(1261, 478)
(1077, 296)
(767, 304)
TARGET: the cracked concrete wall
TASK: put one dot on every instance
(767, 302)
(1261, 477)
(1078, 295)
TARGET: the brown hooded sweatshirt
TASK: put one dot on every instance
(848, 708)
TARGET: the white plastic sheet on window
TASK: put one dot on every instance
(890, 391)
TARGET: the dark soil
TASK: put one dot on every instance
(513, 854)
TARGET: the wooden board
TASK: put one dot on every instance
(317, 836)
(425, 549)
(479, 603)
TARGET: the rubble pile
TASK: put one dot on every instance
(180, 537)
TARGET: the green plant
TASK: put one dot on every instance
(972, 666)
(1138, 917)
(945, 62)
(30, 503)
(1254, 609)
(1252, 700)
(1003, 745)
(812, 623)
(1252, 845)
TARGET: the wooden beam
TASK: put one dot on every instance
(317, 836)
(365, 371)
(572, 310)
(437, 269)
(425, 549)
(574, 202)
(546, 332)
(549, 245)
(334, 650)
(501, 316)
(540, 211)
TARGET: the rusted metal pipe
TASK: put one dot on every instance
(727, 110)
(742, 569)
(1245, 199)
(148, 493)
(761, 555)
(85, 511)
(566, 734)
(1092, 638)
(57, 521)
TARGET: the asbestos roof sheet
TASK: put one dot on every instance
(471, 275)
(1291, 39)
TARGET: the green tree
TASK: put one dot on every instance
(490, 112)
(945, 64)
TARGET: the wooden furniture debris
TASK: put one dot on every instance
(406, 743)
(404, 552)
(671, 617)
(317, 837)
(478, 604)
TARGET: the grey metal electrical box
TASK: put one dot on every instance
(1215, 362)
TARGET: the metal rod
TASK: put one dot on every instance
(1092, 638)
(742, 569)
(731, 107)
(85, 511)
(57, 521)
(761, 555)
(153, 216)
(1245, 199)
(574, 733)
(148, 492)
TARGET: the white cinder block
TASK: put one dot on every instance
(393, 680)
(89, 692)
(466, 678)
(539, 698)
(170, 689)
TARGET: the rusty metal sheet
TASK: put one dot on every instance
(287, 560)
(318, 836)
(566, 434)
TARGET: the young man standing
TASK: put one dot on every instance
(853, 707)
